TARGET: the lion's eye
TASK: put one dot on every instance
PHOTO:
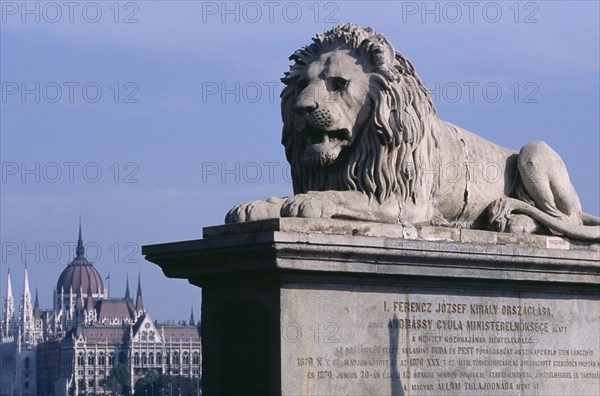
(338, 83)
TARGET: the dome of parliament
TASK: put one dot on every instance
(80, 273)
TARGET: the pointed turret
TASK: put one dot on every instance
(139, 302)
(90, 312)
(89, 301)
(79, 301)
(72, 303)
(8, 311)
(80, 251)
(26, 324)
(192, 320)
(127, 294)
(37, 315)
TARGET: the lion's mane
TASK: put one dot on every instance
(393, 151)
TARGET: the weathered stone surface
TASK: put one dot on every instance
(478, 236)
(314, 307)
(556, 243)
(439, 234)
(364, 228)
(316, 226)
(365, 143)
(364, 340)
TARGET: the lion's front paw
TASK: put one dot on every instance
(309, 205)
(254, 210)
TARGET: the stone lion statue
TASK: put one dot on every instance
(365, 143)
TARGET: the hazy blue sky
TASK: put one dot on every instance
(151, 119)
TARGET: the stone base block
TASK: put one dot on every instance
(315, 307)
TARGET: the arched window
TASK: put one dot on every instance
(151, 336)
(158, 358)
(151, 358)
(27, 362)
(136, 359)
(196, 358)
(111, 359)
(175, 357)
(91, 359)
(186, 357)
(168, 358)
(144, 335)
(144, 359)
(81, 383)
(80, 359)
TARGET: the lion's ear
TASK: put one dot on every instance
(383, 53)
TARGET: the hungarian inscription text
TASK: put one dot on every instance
(421, 342)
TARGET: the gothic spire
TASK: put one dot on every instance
(26, 325)
(89, 301)
(79, 300)
(8, 286)
(139, 288)
(36, 307)
(8, 311)
(139, 303)
(192, 320)
(127, 295)
(26, 283)
(80, 249)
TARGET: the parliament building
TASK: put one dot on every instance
(72, 348)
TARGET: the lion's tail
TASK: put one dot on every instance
(590, 220)
(590, 231)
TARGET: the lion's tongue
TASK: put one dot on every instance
(327, 144)
(323, 153)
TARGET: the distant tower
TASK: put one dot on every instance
(8, 311)
(127, 294)
(139, 302)
(26, 322)
(37, 319)
(36, 306)
(192, 320)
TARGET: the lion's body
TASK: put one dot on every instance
(364, 142)
(473, 172)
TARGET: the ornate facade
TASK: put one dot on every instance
(72, 348)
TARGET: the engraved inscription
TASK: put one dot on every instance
(423, 342)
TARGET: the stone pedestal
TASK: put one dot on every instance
(314, 307)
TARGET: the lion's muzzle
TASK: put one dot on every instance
(312, 115)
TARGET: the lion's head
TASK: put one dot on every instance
(356, 116)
